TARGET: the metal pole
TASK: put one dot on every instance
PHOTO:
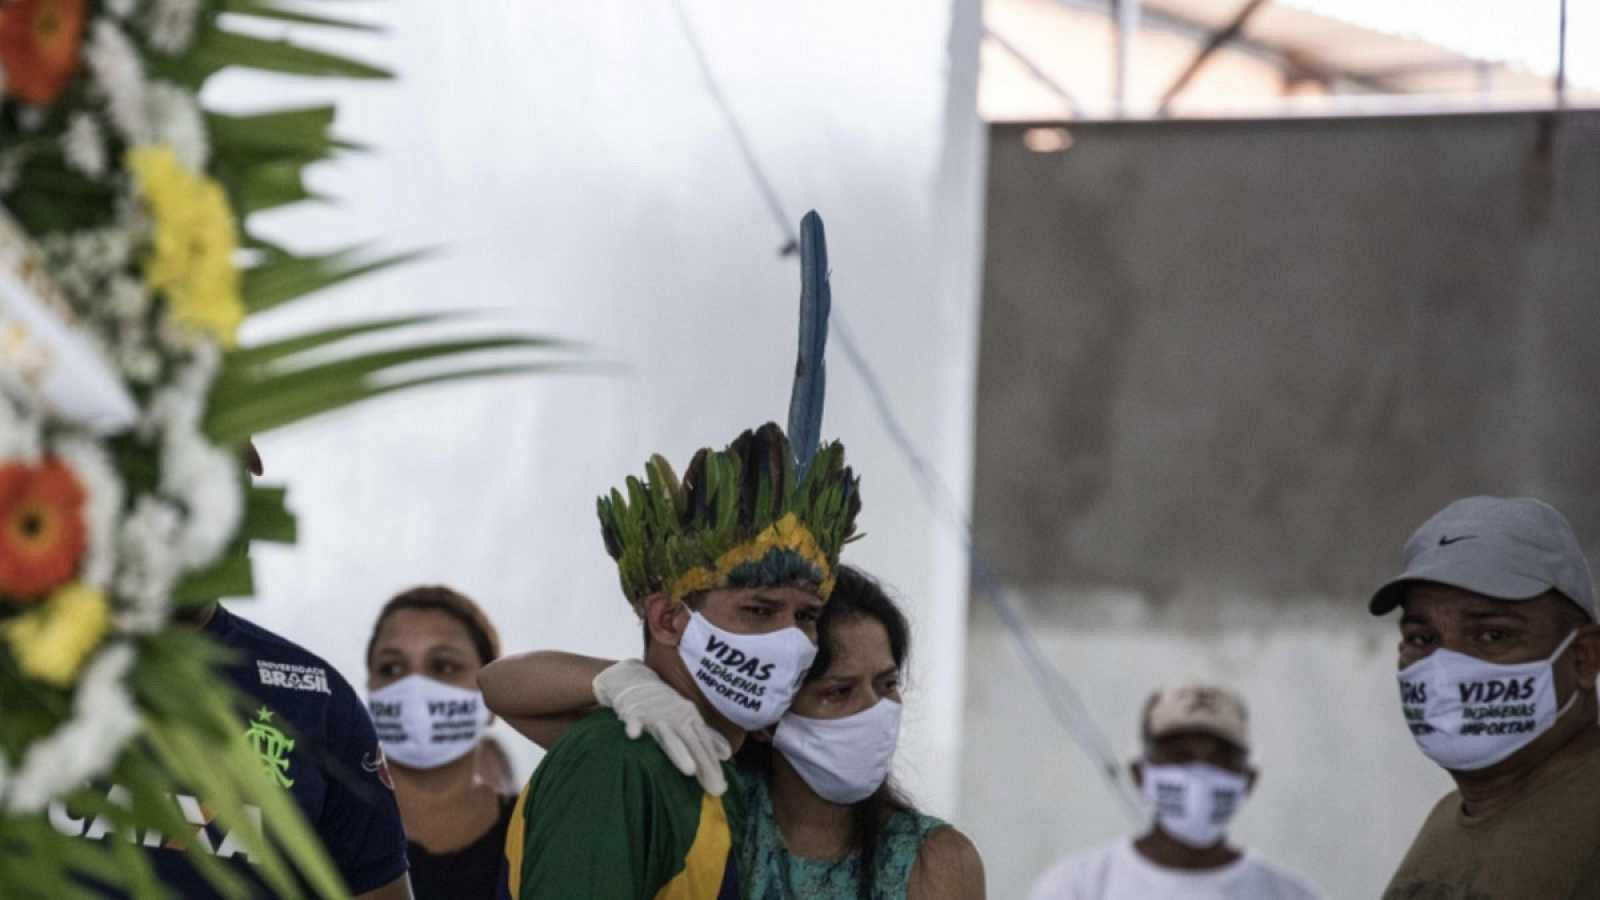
(1222, 36)
(1127, 14)
(1561, 59)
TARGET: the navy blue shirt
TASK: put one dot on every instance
(315, 739)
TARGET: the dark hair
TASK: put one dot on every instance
(856, 595)
(437, 598)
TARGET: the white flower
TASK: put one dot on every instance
(141, 364)
(174, 119)
(126, 298)
(10, 165)
(98, 475)
(201, 477)
(120, 8)
(147, 567)
(19, 419)
(206, 480)
(103, 719)
(83, 146)
(170, 25)
(117, 71)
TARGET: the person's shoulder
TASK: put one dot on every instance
(1281, 882)
(236, 630)
(1062, 880)
(948, 857)
(599, 732)
(1094, 856)
(948, 847)
(599, 741)
(1588, 759)
(1444, 816)
(274, 663)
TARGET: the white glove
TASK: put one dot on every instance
(645, 703)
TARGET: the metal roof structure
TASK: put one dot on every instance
(1070, 59)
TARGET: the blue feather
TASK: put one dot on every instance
(810, 373)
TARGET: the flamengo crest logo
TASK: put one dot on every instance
(272, 746)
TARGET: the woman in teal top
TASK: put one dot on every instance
(768, 869)
(799, 841)
(823, 820)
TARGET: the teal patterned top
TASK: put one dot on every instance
(770, 872)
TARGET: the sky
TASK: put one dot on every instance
(1485, 29)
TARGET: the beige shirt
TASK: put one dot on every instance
(1543, 845)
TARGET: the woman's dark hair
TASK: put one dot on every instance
(856, 595)
(437, 598)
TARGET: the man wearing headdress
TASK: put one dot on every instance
(728, 570)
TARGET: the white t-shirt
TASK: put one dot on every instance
(1119, 872)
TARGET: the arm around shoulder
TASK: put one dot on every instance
(948, 867)
(540, 694)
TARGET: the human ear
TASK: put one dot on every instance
(666, 618)
(1585, 653)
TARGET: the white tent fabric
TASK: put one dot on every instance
(568, 159)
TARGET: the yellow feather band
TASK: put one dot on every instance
(788, 533)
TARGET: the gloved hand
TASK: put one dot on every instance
(645, 703)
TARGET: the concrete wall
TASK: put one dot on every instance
(1225, 368)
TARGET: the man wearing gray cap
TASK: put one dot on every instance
(1195, 773)
(1499, 654)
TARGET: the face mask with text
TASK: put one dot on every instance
(424, 724)
(1467, 714)
(749, 678)
(1194, 802)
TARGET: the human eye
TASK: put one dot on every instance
(1417, 638)
(1492, 635)
(807, 616)
(446, 667)
(758, 610)
(390, 670)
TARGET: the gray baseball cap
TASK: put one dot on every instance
(1510, 548)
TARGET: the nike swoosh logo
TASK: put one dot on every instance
(1447, 541)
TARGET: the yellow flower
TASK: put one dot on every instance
(196, 240)
(51, 644)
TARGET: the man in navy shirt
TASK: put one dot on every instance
(315, 739)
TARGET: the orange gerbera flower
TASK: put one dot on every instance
(42, 534)
(39, 42)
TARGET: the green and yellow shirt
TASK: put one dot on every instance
(610, 818)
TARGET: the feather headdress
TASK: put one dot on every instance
(741, 517)
(761, 511)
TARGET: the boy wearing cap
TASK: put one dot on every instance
(1195, 773)
(1499, 653)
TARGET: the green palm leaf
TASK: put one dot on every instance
(282, 278)
(265, 9)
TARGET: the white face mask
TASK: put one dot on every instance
(424, 723)
(1468, 714)
(1195, 801)
(749, 678)
(843, 760)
